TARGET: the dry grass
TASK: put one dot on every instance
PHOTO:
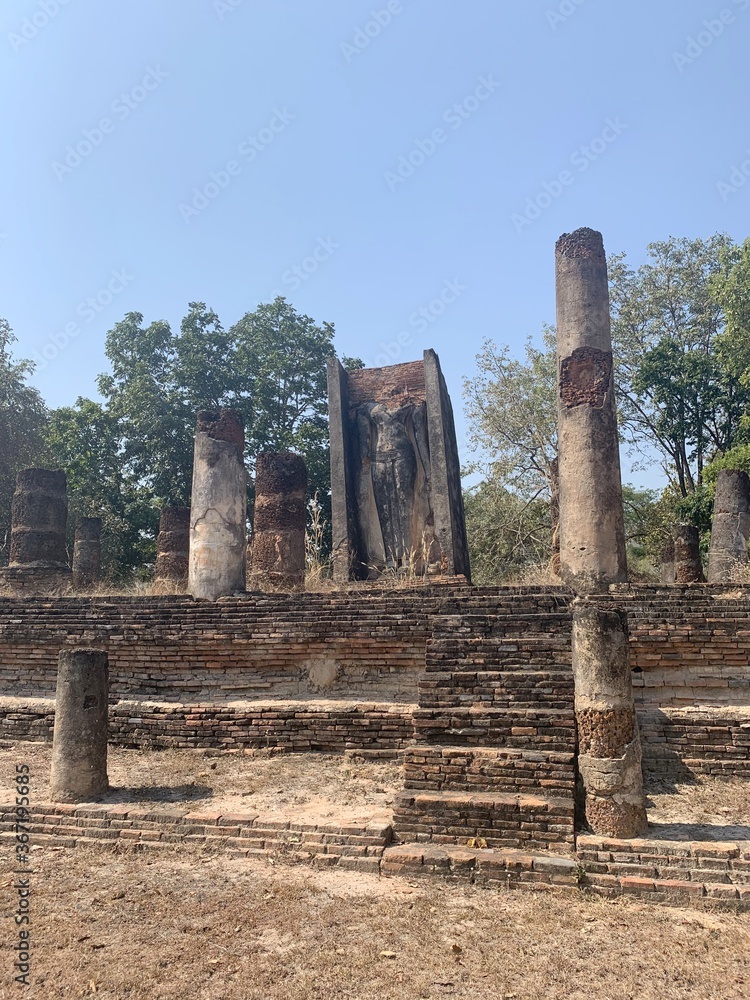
(323, 787)
(183, 924)
(534, 575)
(721, 805)
(186, 923)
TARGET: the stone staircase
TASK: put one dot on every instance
(494, 760)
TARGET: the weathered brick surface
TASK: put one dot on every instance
(333, 727)
(497, 670)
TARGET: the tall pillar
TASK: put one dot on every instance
(39, 514)
(280, 521)
(687, 555)
(730, 529)
(592, 540)
(218, 509)
(609, 746)
(79, 742)
(592, 532)
(173, 547)
(87, 552)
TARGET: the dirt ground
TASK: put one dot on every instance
(323, 787)
(186, 923)
(328, 787)
(129, 926)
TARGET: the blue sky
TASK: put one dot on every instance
(371, 161)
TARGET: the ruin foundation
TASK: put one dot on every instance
(278, 558)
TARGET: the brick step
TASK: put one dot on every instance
(329, 726)
(244, 832)
(497, 630)
(528, 729)
(698, 862)
(507, 771)
(517, 869)
(486, 819)
(504, 661)
(497, 688)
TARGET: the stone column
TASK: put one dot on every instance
(687, 555)
(730, 529)
(218, 509)
(592, 532)
(280, 521)
(87, 552)
(79, 742)
(666, 569)
(592, 540)
(173, 547)
(554, 509)
(609, 746)
(38, 556)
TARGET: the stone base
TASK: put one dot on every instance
(36, 581)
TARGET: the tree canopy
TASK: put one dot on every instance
(681, 340)
(22, 420)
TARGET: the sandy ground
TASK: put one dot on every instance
(128, 926)
(331, 788)
(322, 787)
(187, 923)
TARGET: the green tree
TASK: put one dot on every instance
(512, 406)
(86, 441)
(23, 416)
(676, 363)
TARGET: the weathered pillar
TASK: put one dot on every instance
(79, 742)
(730, 529)
(87, 552)
(218, 509)
(666, 568)
(609, 746)
(687, 555)
(592, 532)
(38, 557)
(173, 546)
(280, 521)
(555, 515)
(592, 540)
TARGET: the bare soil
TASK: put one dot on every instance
(177, 922)
(329, 788)
(189, 925)
(324, 787)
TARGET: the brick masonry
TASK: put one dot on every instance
(701, 875)
(690, 653)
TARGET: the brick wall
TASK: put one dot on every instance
(690, 649)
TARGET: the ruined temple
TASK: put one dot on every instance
(395, 474)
